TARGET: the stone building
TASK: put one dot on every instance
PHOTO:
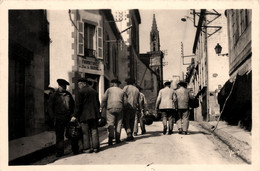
(77, 51)
(112, 48)
(128, 23)
(130, 61)
(238, 110)
(28, 71)
(208, 71)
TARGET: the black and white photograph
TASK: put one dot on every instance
(149, 85)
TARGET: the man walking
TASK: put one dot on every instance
(131, 110)
(87, 112)
(114, 101)
(141, 113)
(61, 108)
(166, 103)
(183, 97)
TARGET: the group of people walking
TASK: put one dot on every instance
(174, 106)
(122, 108)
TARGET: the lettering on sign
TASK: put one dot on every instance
(89, 64)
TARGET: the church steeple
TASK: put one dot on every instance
(154, 26)
(154, 37)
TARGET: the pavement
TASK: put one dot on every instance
(27, 150)
(237, 139)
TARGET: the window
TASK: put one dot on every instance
(90, 40)
(240, 19)
(244, 19)
(89, 32)
(114, 56)
(80, 38)
(107, 52)
(100, 43)
(235, 26)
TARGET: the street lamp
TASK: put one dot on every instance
(218, 50)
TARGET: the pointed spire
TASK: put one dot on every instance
(154, 26)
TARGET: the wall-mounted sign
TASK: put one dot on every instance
(90, 63)
(155, 61)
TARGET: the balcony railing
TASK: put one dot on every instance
(90, 53)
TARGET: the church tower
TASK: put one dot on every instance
(154, 37)
(156, 55)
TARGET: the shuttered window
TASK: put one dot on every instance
(80, 38)
(114, 56)
(100, 43)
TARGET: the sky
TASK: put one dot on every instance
(172, 32)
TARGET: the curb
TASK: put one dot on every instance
(239, 148)
(40, 154)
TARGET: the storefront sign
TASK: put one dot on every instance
(91, 64)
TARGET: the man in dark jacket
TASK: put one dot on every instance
(87, 112)
(114, 101)
(61, 108)
(183, 97)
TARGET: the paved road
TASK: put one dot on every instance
(198, 147)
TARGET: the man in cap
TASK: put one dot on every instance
(183, 96)
(166, 103)
(61, 108)
(114, 101)
(131, 110)
(87, 112)
(141, 114)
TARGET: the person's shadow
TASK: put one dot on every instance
(192, 133)
(136, 138)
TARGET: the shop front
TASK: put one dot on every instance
(92, 69)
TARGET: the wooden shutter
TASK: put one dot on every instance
(80, 38)
(100, 42)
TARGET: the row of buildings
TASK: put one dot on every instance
(99, 45)
(223, 80)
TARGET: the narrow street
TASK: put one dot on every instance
(199, 147)
(97, 66)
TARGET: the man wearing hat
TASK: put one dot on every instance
(114, 101)
(133, 105)
(61, 108)
(166, 103)
(183, 96)
(87, 112)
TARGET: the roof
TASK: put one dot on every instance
(145, 58)
(110, 17)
